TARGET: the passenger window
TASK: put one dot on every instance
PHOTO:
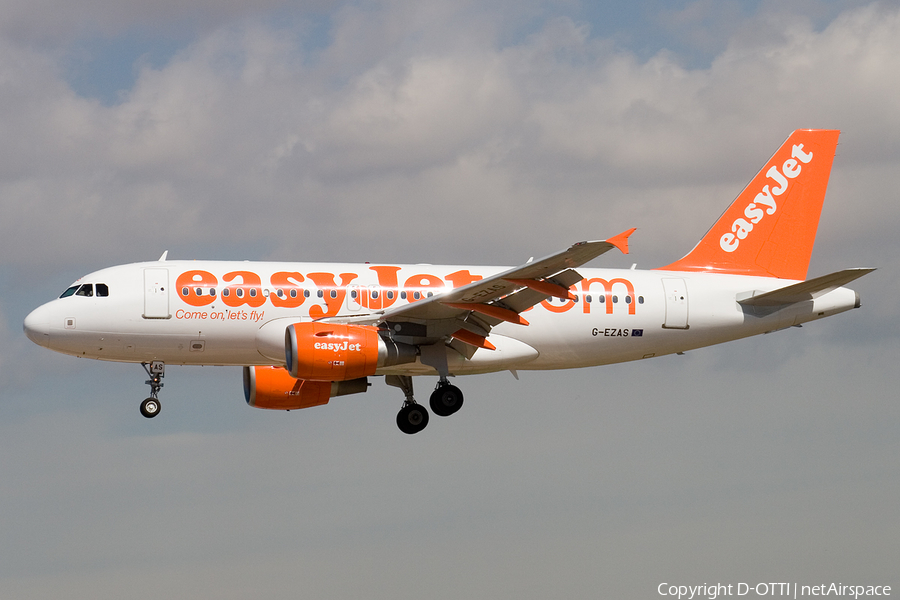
(86, 290)
(69, 292)
(102, 290)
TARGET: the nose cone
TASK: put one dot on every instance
(37, 326)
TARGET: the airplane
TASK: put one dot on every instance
(307, 332)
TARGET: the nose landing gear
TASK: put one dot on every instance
(156, 370)
(150, 407)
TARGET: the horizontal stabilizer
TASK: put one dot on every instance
(803, 291)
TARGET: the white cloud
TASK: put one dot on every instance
(243, 125)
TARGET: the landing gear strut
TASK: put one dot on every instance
(156, 370)
(413, 417)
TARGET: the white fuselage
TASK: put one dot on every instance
(235, 313)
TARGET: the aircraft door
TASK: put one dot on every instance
(156, 294)
(676, 304)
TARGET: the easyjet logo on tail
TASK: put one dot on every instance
(764, 203)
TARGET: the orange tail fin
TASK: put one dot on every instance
(770, 228)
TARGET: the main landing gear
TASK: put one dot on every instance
(412, 418)
(156, 370)
(446, 399)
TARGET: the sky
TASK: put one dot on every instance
(465, 133)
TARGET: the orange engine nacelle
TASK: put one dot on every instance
(332, 351)
(274, 388)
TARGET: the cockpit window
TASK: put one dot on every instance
(87, 290)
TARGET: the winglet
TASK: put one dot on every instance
(621, 241)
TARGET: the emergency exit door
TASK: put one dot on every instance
(676, 304)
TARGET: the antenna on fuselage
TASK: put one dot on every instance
(163, 257)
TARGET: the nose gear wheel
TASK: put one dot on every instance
(150, 407)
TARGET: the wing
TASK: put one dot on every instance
(467, 314)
